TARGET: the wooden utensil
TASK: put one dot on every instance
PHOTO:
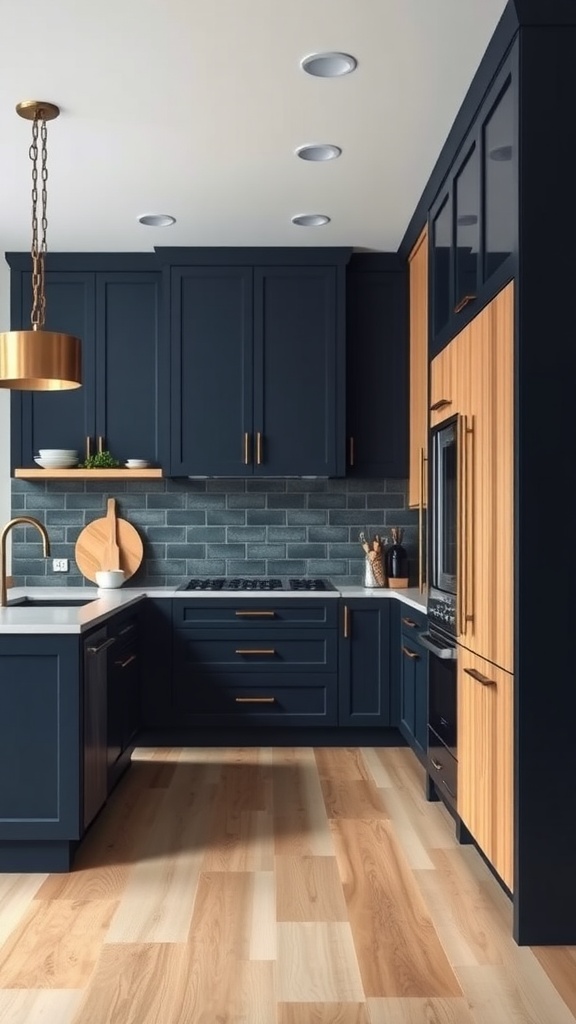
(111, 556)
(93, 547)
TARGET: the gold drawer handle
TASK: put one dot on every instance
(410, 623)
(463, 302)
(124, 664)
(255, 650)
(255, 615)
(255, 700)
(410, 654)
(440, 404)
(246, 449)
(351, 452)
(485, 680)
(259, 440)
(436, 764)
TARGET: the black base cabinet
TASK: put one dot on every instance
(365, 692)
(413, 673)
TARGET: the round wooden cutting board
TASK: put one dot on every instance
(109, 543)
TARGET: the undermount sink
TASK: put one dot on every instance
(50, 602)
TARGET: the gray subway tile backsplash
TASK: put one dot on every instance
(217, 527)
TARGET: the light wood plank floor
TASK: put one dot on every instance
(273, 886)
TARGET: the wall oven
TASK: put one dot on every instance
(440, 640)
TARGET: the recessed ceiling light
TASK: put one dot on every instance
(501, 153)
(322, 151)
(157, 220)
(310, 220)
(328, 65)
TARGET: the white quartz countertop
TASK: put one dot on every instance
(102, 603)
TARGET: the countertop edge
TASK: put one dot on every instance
(66, 620)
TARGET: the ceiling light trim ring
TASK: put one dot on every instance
(318, 152)
(329, 64)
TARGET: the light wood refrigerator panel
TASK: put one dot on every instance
(486, 758)
(487, 514)
(418, 441)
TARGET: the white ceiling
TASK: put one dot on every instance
(195, 108)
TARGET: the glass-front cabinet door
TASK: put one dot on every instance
(500, 182)
(473, 222)
(467, 229)
(441, 235)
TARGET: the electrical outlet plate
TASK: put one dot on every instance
(59, 565)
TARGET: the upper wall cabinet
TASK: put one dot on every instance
(473, 223)
(376, 366)
(257, 363)
(115, 313)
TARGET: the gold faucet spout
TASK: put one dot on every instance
(18, 521)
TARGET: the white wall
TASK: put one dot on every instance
(4, 400)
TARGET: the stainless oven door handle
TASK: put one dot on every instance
(446, 653)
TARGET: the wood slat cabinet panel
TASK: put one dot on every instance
(474, 373)
(487, 507)
(486, 757)
(418, 430)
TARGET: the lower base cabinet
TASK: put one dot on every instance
(413, 672)
(123, 691)
(486, 758)
(254, 662)
(365, 694)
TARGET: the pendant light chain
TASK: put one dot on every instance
(38, 253)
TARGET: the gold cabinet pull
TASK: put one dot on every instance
(255, 700)
(440, 404)
(439, 767)
(409, 654)
(346, 622)
(258, 449)
(410, 623)
(88, 447)
(463, 302)
(485, 680)
(255, 650)
(351, 451)
(100, 445)
(246, 449)
(255, 614)
(124, 664)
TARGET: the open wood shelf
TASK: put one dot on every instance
(88, 474)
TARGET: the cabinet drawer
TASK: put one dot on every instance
(263, 613)
(442, 767)
(412, 621)
(250, 652)
(261, 699)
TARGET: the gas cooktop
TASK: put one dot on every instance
(257, 583)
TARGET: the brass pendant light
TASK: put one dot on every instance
(39, 360)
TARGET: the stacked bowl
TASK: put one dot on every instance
(56, 458)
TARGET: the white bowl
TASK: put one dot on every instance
(57, 453)
(57, 463)
(109, 579)
(137, 463)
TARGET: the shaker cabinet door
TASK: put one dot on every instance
(298, 383)
(211, 372)
(57, 419)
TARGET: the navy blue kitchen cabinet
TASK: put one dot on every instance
(376, 366)
(112, 303)
(413, 672)
(257, 385)
(365, 690)
(473, 221)
(257, 663)
(40, 749)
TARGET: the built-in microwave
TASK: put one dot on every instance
(443, 526)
